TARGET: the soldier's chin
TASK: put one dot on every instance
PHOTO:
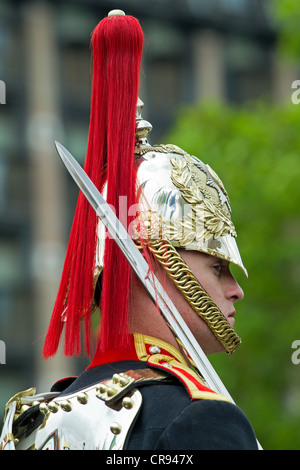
(215, 347)
(210, 343)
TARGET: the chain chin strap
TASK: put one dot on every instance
(193, 292)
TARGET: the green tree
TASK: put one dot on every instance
(286, 17)
(256, 152)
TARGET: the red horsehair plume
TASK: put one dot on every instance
(117, 43)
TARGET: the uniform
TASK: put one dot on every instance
(153, 402)
(139, 392)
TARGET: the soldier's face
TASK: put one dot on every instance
(215, 277)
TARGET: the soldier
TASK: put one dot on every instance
(142, 389)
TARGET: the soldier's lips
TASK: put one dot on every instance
(230, 318)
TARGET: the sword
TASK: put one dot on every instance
(140, 266)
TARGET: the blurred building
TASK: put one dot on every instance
(194, 50)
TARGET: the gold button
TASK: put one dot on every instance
(53, 407)
(111, 391)
(44, 408)
(82, 398)
(116, 428)
(102, 388)
(128, 403)
(123, 381)
(66, 406)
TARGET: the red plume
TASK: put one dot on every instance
(117, 43)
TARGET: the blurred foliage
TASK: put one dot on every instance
(286, 17)
(256, 151)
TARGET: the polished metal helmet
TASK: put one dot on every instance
(182, 203)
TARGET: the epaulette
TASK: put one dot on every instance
(113, 390)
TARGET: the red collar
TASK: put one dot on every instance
(159, 354)
(139, 349)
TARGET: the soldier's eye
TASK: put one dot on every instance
(217, 268)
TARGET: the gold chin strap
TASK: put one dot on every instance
(193, 292)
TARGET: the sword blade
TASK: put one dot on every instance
(141, 268)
